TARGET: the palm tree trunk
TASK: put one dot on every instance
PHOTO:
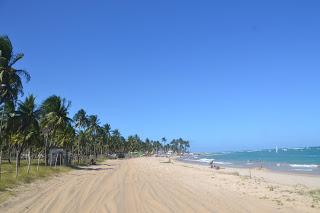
(38, 161)
(45, 151)
(29, 160)
(0, 161)
(9, 154)
(17, 164)
(72, 155)
(55, 163)
(19, 157)
(2, 118)
(45, 156)
(66, 160)
(87, 151)
(51, 159)
(79, 151)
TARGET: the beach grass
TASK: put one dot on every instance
(8, 180)
(315, 194)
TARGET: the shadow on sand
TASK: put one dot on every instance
(91, 169)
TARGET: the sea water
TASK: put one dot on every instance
(301, 160)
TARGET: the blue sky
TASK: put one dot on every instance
(227, 75)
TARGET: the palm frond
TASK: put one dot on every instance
(24, 73)
(3, 61)
(6, 48)
(15, 58)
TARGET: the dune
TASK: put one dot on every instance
(153, 185)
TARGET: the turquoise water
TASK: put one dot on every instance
(305, 160)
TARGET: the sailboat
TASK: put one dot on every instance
(276, 149)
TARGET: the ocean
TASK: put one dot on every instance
(299, 160)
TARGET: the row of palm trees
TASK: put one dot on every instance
(31, 130)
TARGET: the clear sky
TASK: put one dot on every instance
(227, 75)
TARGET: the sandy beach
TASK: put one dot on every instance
(152, 185)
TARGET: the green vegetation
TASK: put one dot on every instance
(46, 136)
(315, 194)
(9, 180)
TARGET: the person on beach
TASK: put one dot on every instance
(211, 164)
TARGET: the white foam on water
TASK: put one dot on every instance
(252, 150)
(223, 163)
(303, 165)
(298, 148)
(202, 160)
(205, 160)
(303, 170)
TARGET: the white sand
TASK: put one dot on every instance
(150, 185)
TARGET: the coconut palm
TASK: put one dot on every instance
(93, 130)
(10, 79)
(104, 136)
(115, 142)
(65, 138)
(157, 146)
(27, 121)
(179, 145)
(101, 139)
(82, 141)
(163, 140)
(7, 128)
(80, 119)
(54, 116)
(107, 132)
(148, 146)
(133, 143)
(81, 122)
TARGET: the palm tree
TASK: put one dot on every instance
(82, 139)
(148, 146)
(163, 140)
(8, 111)
(27, 118)
(54, 116)
(107, 132)
(157, 146)
(93, 130)
(10, 78)
(123, 145)
(115, 143)
(174, 145)
(65, 137)
(103, 136)
(179, 145)
(133, 143)
(81, 122)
